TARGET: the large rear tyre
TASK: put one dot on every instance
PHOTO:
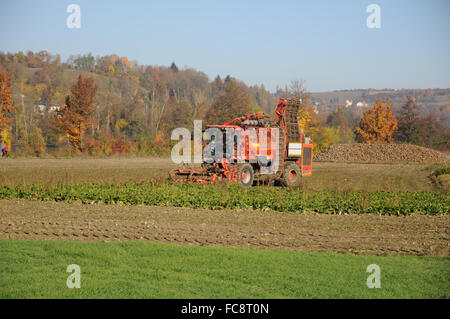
(292, 175)
(246, 175)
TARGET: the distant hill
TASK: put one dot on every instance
(435, 101)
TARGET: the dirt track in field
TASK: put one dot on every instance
(359, 234)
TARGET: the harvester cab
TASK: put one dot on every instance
(278, 141)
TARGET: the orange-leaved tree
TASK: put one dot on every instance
(73, 118)
(6, 103)
(377, 125)
(234, 102)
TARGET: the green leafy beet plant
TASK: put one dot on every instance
(235, 197)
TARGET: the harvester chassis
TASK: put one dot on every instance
(290, 169)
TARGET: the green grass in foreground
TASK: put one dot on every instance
(37, 269)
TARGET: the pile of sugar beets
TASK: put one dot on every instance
(380, 153)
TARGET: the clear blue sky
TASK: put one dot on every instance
(326, 43)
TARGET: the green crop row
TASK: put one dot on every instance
(440, 169)
(235, 197)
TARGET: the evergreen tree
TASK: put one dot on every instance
(409, 122)
(174, 67)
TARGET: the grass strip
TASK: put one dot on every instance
(37, 269)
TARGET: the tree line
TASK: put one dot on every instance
(106, 105)
(135, 106)
(377, 124)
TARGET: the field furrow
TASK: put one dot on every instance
(359, 234)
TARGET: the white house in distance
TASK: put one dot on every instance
(316, 110)
(52, 108)
(361, 104)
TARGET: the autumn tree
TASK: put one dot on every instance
(308, 120)
(297, 89)
(325, 137)
(6, 104)
(127, 62)
(232, 103)
(36, 141)
(431, 132)
(84, 61)
(74, 117)
(47, 94)
(179, 114)
(420, 130)
(377, 125)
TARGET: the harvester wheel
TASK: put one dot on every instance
(246, 175)
(292, 175)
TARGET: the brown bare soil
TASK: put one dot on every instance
(337, 176)
(359, 234)
(83, 170)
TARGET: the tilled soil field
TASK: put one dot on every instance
(380, 153)
(359, 234)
